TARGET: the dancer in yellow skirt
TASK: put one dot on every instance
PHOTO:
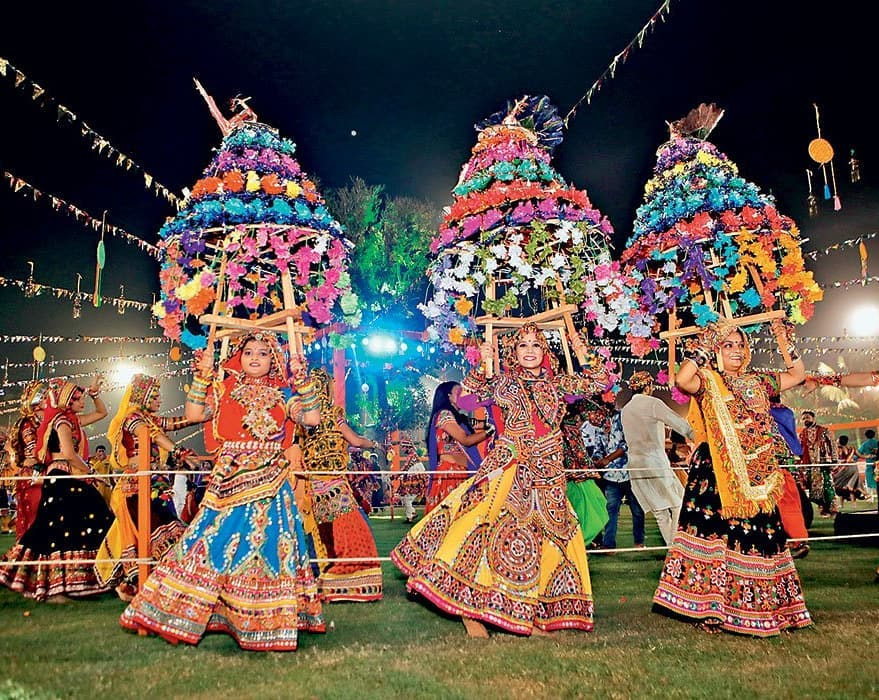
(505, 547)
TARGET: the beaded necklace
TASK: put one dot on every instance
(259, 399)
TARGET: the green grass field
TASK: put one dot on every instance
(400, 648)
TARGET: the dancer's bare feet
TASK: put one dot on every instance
(474, 628)
(537, 632)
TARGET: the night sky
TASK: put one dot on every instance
(411, 78)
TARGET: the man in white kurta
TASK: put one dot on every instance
(654, 483)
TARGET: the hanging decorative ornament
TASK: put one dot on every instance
(29, 285)
(812, 201)
(77, 301)
(175, 354)
(837, 203)
(821, 152)
(99, 263)
(120, 302)
(862, 252)
(153, 323)
(854, 166)
(39, 354)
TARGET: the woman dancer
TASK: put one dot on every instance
(505, 547)
(139, 442)
(337, 524)
(728, 566)
(23, 443)
(449, 442)
(72, 517)
(241, 567)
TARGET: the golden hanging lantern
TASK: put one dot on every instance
(820, 150)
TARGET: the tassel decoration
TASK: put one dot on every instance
(101, 258)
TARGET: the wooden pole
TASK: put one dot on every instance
(489, 331)
(672, 349)
(143, 530)
(293, 337)
(782, 341)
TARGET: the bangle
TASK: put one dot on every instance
(199, 390)
(309, 398)
(698, 355)
(94, 393)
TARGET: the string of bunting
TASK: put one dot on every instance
(98, 143)
(850, 243)
(85, 360)
(80, 216)
(610, 72)
(161, 375)
(96, 339)
(857, 282)
(31, 289)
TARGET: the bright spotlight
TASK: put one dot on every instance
(380, 344)
(864, 320)
(122, 374)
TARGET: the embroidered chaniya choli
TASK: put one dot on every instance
(114, 567)
(70, 521)
(505, 547)
(336, 523)
(242, 565)
(729, 564)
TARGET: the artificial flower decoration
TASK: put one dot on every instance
(703, 227)
(514, 218)
(254, 206)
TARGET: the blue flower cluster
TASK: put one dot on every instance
(507, 171)
(678, 199)
(258, 135)
(250, 208)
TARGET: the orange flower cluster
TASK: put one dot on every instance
(499, 194)
(236, 181)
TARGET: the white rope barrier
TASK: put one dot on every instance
(390, 472)
(369, 560)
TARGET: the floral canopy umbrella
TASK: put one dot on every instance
(709, 242)
(515, 225)
(251, 216)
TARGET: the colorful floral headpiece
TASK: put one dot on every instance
(144, 389)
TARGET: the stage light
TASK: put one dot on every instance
(864, 320)
(122, 374)
(380, 344)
